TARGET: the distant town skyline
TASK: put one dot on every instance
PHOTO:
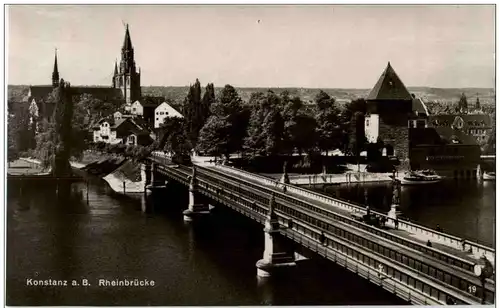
(321, 46)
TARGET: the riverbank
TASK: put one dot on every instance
(123, 176)
(127, 179)
(22, 167)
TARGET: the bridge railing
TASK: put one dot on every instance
(441, 237)
(366, 267)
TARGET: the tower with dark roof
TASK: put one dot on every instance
(389, 108)
(463, 106)
(127, 79)
(55, 72)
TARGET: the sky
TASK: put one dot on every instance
(322, 46)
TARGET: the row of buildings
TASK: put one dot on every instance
(139, 116)
(450, 144)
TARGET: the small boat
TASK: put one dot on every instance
(490, 176)
(420, 177)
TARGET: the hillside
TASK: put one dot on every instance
(177, 94)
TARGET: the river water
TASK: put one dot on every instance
(464, 208)
(104, 236)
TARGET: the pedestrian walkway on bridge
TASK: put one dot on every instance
(442, 243)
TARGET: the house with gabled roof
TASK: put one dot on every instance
(477, 125)
(125, 130)
(163, 111)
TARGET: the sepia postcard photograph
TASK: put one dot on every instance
(250, 154)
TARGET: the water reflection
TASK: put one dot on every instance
(265, 287)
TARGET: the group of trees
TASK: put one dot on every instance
(55, 138)
(20, 132)
(268, 124)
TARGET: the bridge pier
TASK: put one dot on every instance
(273, 258)
(152, 183)
(194, 209)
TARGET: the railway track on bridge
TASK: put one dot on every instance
(424, 269)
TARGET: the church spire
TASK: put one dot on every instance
(127, 42)
(55, 73)
(127, 64)
(116, 69)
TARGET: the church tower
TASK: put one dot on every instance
(55, 73)
(127, 79)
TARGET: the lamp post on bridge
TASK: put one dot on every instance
(393, 212)
(483, 271)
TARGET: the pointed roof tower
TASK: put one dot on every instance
(389, 87)
(127, 42)
(55, 72)
(116, 68)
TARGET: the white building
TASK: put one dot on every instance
(105, 131)
(137, 109)
(126, 130)
(163, 111)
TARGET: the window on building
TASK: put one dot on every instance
(157, 119)
(134, 109)
(132, 139)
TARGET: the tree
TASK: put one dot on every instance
(215, 136)
(63, 115)
(45, 143)
(357, 140)
(193, 112)
(351, 108)
(207, 101)
(290, 112)
(265, 131)
(299, 128)
(272, 130)
(55, 142)
(20, 132)
(174, 137)
(94, 109)
(225, 129)
(327, 116)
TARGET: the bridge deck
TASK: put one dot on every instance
(403, 233)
